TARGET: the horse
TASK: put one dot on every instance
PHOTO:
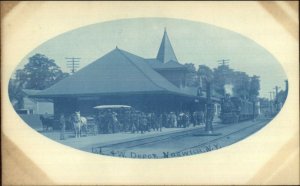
(46, 122)
(79, 122)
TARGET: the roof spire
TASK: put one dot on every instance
(166, 52)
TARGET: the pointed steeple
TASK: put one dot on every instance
(166, 52)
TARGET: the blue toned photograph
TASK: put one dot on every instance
(148, 88)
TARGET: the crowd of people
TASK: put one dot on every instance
(134, 121)
(109, 121)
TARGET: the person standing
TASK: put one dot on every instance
(149, 124)
(160, 122)
(195, 119)
(115, 122)
(164, 120)
(210, 113)
(127, 120)
(143, 124)
(100, 122)
(62, 122)
(134, 121)
(173, 120)
(201, 121)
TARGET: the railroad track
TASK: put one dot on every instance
(226, 136)
(127, 145)
(146, 141)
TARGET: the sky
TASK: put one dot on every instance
(193, 42)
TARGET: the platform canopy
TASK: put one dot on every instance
(117, 72)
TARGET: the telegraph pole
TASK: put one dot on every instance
(223, 62)
(286, 86)
(276, 98)
(271, 110)
(73, 63)
(276, 90)
(210, 112)
(270, 96)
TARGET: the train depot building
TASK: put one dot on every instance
(122, 78)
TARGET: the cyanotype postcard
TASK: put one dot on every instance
(150, 93)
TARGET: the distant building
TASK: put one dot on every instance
(120, 77)
(36, 105)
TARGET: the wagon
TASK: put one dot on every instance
(91, 128)
(119, 117)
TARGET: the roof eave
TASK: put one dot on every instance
(109, 94)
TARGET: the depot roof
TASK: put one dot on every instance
(116, 72)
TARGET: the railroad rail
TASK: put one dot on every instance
(226, 136)
(127, 145)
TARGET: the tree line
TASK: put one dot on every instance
(240, 83)
(39, 73)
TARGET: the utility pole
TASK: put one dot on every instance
(209, 108)
(223, 62)
(210, 112)
(286, 86)
(73, 63)
(276, 90)
(276, 98)
(286, 89)
(271, 110)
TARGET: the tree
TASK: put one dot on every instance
(254, 87)
(191, 76)
(241, 85)
(38, 74)
(15, 94)
(222, 75)
(205, 73)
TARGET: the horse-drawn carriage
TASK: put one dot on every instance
(90, 125)
(91, 128)
(111, 118)
(83, 125)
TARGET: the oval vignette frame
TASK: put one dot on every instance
(118, 69)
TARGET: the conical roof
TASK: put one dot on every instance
(116, 72)
(166, 52)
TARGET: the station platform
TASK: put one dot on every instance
(156, 142)
(109, 139)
